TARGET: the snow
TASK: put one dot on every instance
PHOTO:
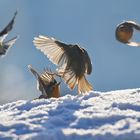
(111, 115)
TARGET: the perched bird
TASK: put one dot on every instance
(72, 60)
(4, 45)
(47, 84)
(124, 32)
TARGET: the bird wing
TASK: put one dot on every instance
(47, 77)
(69, 77)
(52, 48)
(42, 80)
(8, 28)
(33, 71)
(6, 45)
(137, 27)
(49, 83)
(9, 43)
(134, 24)
(88, 64)
(133, 44)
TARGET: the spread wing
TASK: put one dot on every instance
(10, 42)
(8, 28)
(6, 45)
(47, 78)
(52, 48)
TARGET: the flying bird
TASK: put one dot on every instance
(72, 60)
(124, 32)
(47, 84)
(5, 45)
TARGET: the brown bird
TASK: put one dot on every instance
(72, 60)
(5, 45)
(124, 32)
(47, 84)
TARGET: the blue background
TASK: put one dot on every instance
(90, 23)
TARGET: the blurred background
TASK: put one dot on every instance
(89, 23)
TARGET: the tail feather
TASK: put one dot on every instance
(84, 86)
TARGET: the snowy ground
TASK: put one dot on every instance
(100, 116)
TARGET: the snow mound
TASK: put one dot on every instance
(101, 116)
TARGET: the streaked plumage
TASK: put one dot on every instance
(73, 61)
(5, 45)
(47, 84)
(124, 32)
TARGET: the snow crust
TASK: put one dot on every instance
(111, 115)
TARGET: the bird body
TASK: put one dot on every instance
(124, 32)
(72, 60)
(46, 84)
(5, 45)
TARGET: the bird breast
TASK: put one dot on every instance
(124, 33)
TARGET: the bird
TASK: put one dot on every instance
(73, 61)
(124, 32)
(5, 45)
(46, 83)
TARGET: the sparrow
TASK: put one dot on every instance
(46, 83)
(73, 61)
(5, 45)
(124, 32)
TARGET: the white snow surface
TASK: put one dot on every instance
(111, 115)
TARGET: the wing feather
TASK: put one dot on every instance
(10, 42)
(50, 48)
(87, 62)
(8, 28)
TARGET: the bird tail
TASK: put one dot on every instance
(33, 71)
(84, 86)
